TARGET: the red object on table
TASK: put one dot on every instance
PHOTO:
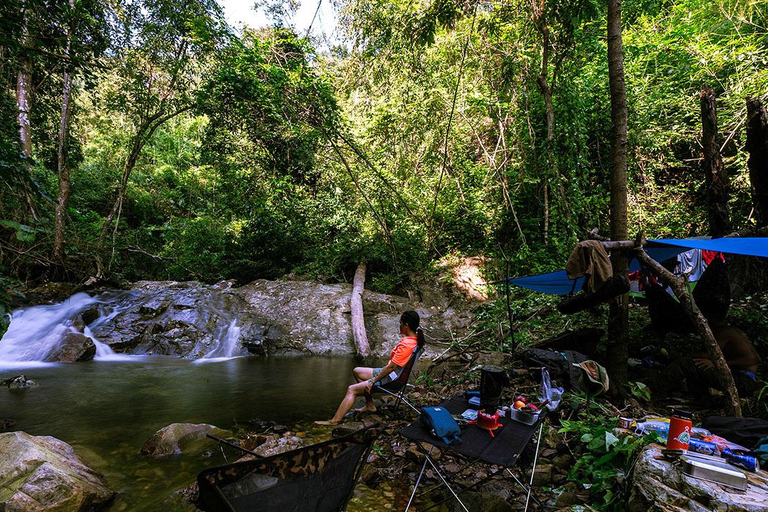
(679, 430)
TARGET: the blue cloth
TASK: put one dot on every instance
(557, 283)
(743, 246)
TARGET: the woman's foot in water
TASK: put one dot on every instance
(327, 423)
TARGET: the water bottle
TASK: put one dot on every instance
(680, 425)
(646, 427)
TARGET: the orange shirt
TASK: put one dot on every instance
(403, 350)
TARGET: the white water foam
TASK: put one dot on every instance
(35, 332)
(227, 345)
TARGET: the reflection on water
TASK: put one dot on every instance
(107, 410)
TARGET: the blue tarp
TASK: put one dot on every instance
(743, 246)
(557, 283)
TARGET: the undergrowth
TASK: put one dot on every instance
(605, 460)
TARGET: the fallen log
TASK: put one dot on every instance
(356, 306)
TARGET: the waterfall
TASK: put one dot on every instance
(36, 332)
(227, 345)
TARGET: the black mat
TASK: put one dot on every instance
(503, 449)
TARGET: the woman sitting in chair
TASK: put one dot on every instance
(366, 377)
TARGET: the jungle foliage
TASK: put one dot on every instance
(197, 152)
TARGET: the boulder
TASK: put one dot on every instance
(276, 444)
(194, 320)
(18, 382)
(658, 485)
(177, 438)
(189, 319)
(43, 473)
(74, 347)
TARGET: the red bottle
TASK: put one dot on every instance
(679, 430)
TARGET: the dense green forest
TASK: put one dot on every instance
(146, 139)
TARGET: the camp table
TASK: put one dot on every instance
(502, 449)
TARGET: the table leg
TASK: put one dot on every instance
(533, 469)
(418, 480)
(445, 482)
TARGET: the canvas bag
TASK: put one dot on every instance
(441, 424)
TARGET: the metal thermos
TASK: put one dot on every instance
(679, 430)
(492, 379)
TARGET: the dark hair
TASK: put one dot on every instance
(412, 320)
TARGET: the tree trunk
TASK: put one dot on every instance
(63, 166)
(143, 135)
(23, 106)
(724, 375)
(716, 178)
(23, 94)
(546, 91)
(618, 320)
(757, 147)
(118, 205)
(358, 320)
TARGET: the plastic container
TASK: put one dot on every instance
(646, 427)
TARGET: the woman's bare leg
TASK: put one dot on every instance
(353, 392)
(363, 373)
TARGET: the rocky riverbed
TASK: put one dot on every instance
(193, 320)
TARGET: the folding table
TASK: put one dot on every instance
(502, 449)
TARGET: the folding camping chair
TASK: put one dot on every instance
(398, 387)
(317, 478)
(502, 449)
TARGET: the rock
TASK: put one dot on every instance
(542, 475)
(179, 437)
(90, 315)
(552, 439)
(193, 320)
(6, 424)
(40, 474)
(74, 347)
(348, 427)
(657, 485)
(569, 495)
(189, 319)
(276, 445)
(485, 501)
(413, 454)
(559, 478)
(18, 382)
(563, 461)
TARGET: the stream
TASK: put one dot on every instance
(107, 408)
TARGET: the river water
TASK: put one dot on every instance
(107, 409)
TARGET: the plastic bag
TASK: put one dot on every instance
(547, 392)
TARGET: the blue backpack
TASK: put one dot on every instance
(441, 424)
